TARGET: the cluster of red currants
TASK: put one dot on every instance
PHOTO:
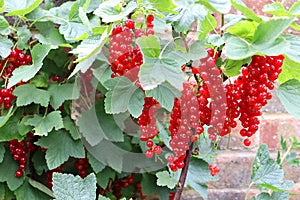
(251, 87)
(125, 55)
(82, 164)
(50, 174)
(147, 125)
(19, 150)
(212, 88)
(122, 183)
(6, 97)
(214, 169)
(184, 125)
(16, 59)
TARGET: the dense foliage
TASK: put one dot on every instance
(122, 99)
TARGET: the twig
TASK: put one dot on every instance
(184, 172)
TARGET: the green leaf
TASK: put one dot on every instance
(163, 5)
(25, 73)
(69, 187)
(9, 130)
(295, 9)
(43, 125)
(250, 14)
(95, 164)
(149, 187)
(41, 187)
(136, 103)
(232, 67)
(280, 195)
(8, 194)
(118, 99)
(91, 46)
(28, 93)
(2, 6)
(164, 94)
(5, 45)
(231, 19)
(39, 162)
(8, 170)
(104, 176)
(244, 29)
(108, 13)
(276, 9)
(187, 15)
(61, 93)
(198, 175)
(84, 19)
(288, 93)
(26, 191)
(165, 179)
(97, 121)
(205, 26)
(21, 8)
(262, 196)
(22, 128)
(60, 146)
(100, 197)
(23, 35)
(71, 127)
(108, 124)
(269, 31)
(4, 26)
(238, 48)
(5, 118)
(289, 71)
(40, 80)
(267, 173)
(196, 51)
(262, 157)
(72, 31)
(293, 52)
(222, 6)
(2, 152)
(154, 72)
(87, 52)
(150, 45)
(2, 191)
(49, 34)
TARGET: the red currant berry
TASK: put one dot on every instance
(129, 23)
(19, 173)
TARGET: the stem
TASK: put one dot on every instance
(222, 23)
(286, 153)
(248, 190)
(184, 172)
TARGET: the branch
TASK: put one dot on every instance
(184, 172)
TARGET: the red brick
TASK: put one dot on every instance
(235, 170)
(275, 125)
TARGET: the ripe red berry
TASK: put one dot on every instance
(129, 23)
(149, 153)
(150, 19)
(19, 173)
(247, 142)
(149, 143)
(157, 149)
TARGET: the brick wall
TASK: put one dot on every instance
(236, 160)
